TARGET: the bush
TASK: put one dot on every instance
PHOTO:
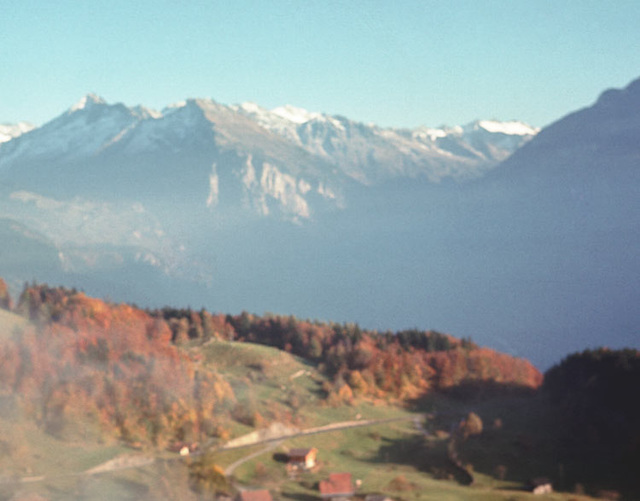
(206, 476)
(471, 426)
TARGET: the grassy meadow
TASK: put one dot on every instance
(406, 459)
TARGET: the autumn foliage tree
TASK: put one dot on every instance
(5, 298)
(125, 364)
(405, 364)
(471, 425)
(117, 362)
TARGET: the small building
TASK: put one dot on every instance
(257, 495)
(540, 485)
(339, 487)
(183, 448)
(304, 459)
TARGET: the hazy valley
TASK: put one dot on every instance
(242, 208)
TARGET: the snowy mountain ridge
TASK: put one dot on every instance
(349, 144)
(285, 164)
(92, 126)
(108, 176)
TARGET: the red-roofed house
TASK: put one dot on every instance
(259, 495)
(338, 487)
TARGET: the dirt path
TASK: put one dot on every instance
(272, 436)
(121, 463)
(255, 439)
(232, 467)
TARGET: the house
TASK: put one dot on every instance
(339, 487)
(540, 485)
(304, 459)
(183, 448)
(258, 495)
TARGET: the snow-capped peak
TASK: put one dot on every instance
(293, 114)
(175, 106)
(86, 101)
(10, 131)
(512, 127)
(430, 133)
(249, 107)
(144, 112)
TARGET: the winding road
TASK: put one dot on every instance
(272, 440)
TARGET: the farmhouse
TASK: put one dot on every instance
(183, 448)
(338, 487)
(540, 485)
(304, 459)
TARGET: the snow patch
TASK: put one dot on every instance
(214, 187)
(293, 114)
(11, 131)
(512, 128)
(250, 107)
(175, 106)
(86, 101)
(429, 133)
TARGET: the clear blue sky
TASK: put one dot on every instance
(401, 63)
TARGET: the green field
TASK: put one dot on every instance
(395, 458)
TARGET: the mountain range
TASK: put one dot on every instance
(280, 159)
(522, 239)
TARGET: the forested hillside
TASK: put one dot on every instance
(116, 364)
(123, 365)
(84, 370)
(596, 392)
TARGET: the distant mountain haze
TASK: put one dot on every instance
(524, 241)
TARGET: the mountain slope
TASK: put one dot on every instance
(25, 251)
(597, 140)
(567, 205)
(10, 131)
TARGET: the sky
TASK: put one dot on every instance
(397, 64)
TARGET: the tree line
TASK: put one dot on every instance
(126, 365)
